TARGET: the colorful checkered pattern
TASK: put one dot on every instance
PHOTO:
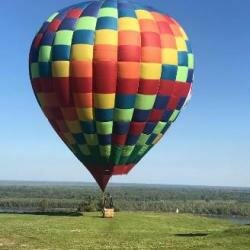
(111, 77)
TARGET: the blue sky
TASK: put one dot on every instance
(208, 145)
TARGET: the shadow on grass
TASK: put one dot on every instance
(57, 213)
(192, 235)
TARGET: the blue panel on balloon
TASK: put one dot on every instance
(106, 23)
(169, 72)
(34, 54)
(83, 37)
(181, 103)
(161, 102)
(44, 27)
(141, 115)
(166, 128)
(149, 128)
(110, 4)
(104, 115)
(45, 69)
(190, 75)
(88, 127)
(80, 139)
(126, 12)
(92, 9)
(68, 24)
(105, 139)
(125, 101)
(82, 5)
(61, 15)
(182, 59)
(60, 52)
(121, 128)
(189, 46)
(48, 38)
(166, 116)
(132, 139)
(151, 139)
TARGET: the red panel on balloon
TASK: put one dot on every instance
(81, 85)
(127, 86)
(166, 87)
(119, 140)
(129, 53)
(156, 115)
(105, 77)
(62, 89)
(149, 87)
(136, 128)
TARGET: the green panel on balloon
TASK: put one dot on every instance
(91, 139)
(159, 127)
(108, 12)
(63, 37)
(115, 154)
(124, 115)
(50, 19)
(84, 149)
(144, 102)
(86, 23)
(182, 74)
(34, 70)
(174, 116)
(143, 139)
(104, 128)
(105, 151)
(127, 150)
(123, 160)
(191, 61)
(45, 54)
(143, 150)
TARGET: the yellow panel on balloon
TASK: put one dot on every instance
(48, 99)
(104, 101)
(60, 69)
(170, 56)
(151, 71)
(84, 149)
(68, 137)
(143, 14)
(85, 114)
(128, 23)
(82, 52)
(157, 139)
(74, 126)
(106, 36)
(181, 44)
(183, 33)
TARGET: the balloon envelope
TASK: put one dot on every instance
(111, 77)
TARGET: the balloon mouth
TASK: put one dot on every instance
(102, 174)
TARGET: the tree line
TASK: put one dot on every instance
(196, 200)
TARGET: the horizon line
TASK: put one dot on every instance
(126, 183)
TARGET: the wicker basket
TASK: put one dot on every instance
(108, 212)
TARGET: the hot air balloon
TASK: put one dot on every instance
(111, 76)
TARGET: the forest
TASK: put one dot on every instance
(28, 197)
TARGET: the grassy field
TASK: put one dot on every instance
(126, 231)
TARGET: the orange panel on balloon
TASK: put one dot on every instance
(81, 69)
(105, 53)
(83, 100)
(129, 38)
(129, 70)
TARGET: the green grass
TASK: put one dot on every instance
(126, 231)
